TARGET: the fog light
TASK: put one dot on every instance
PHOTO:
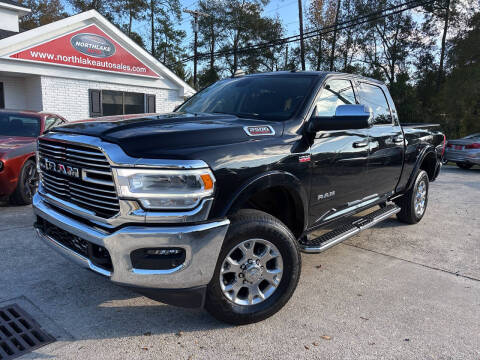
(163, 251)
(157, 258)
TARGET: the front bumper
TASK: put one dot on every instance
(201, 242)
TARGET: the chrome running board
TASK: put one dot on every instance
(342, 233)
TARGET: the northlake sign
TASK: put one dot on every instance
(88, 48)
(93, 45)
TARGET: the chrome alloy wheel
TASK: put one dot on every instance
(420, 198)
(251, 272)
(30, 182)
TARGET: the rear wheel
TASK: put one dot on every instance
(257, 271)
(27, 184)
(414, 202)
(464, 166)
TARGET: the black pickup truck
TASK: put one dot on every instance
(211, 205)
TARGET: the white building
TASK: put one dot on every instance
(80, 67)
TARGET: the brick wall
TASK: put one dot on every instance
(14, 90)
(69, 98)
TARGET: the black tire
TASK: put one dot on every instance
(254, 224)
(464, 166)
(408, 214)
(27, 184)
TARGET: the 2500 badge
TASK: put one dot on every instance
(93, 45)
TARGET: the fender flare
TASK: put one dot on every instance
(426, 151)
(267, 180)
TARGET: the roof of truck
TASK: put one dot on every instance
(314, 73)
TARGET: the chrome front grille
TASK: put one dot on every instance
(78, 174)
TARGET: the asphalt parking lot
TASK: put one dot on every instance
(392, 292)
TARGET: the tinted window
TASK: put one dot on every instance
(134, 103)
(112, 103)
(274, 98)
(120, 103)
(374, 97)
(19, 125)
(335, 92)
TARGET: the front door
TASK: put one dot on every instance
(386, 146)
(339, 158)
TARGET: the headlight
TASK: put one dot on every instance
(165, 189)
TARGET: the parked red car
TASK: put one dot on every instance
(18, 134)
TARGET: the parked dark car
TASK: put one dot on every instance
(212, 204)
(18, 135)
(465, 152)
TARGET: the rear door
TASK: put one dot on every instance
(386, 147)
(339, 158)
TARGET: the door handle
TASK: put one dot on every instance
(360, 144)
(398, 139)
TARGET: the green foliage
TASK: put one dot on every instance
(103, 7)
(208, 77)
(459, 96)
(43, 12)
(132, 10)
(244, 26)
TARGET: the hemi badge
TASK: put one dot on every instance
(259, 130)
(304, 158)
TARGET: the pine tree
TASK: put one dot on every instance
(43, 12)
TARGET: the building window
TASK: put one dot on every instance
(2, 96)
(108, 102)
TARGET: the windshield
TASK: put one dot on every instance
(275, 98)
(12, 124)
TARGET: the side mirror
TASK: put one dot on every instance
(347, 117)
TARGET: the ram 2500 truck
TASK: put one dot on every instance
(211, 205)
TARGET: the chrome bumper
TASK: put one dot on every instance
(202, 244)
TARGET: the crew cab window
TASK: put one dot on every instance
(374, 96)
(275, 98)
(335, 92)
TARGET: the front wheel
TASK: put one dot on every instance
(27, 184)
(257, 271)
(414, 203)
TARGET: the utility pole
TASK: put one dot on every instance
(302, 45)
(152, 24)
(286, 58)
(334, 42)
(195, 14)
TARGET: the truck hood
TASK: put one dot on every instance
(160, 135)
(11, 146)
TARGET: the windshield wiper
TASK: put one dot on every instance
(220, 112)
(249, 115)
